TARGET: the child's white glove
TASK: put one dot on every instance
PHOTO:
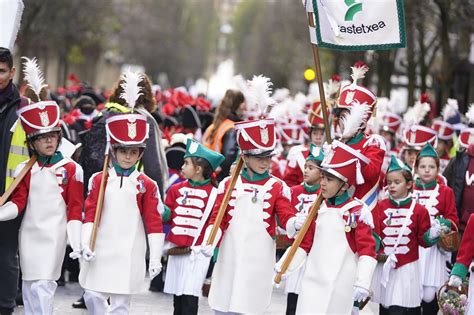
(8, 211)
(207, 250)
(360, 294)
(154, 268)
(155, 242)
(435, 230)
(73, 229)
(75, 254)
(88, 254)
(300, 219)
(455, 281)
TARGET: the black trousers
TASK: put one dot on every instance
(398, 310)
(9, 266)
(430, 307)
(185, 304)
(291, 302)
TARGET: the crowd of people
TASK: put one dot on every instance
(110, 184)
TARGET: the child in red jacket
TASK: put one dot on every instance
(190, 203)
(438, 199)
(403, 226)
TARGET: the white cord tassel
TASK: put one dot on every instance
(33, 75)
(359, 177)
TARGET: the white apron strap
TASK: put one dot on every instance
(207, 212)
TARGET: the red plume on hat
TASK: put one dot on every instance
(43, 116)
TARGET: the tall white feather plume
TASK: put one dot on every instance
(259, 93)
(357, 116)
(131, 89)
(450, 109)
(332, 88)
(416, 114)
(358, 71)
(241, 85)
(33, 75)
(470, 114)
(280, 94)
(313, 93)
(299, 103)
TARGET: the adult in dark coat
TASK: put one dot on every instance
(9, 102)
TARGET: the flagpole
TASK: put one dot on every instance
(319, 77)
(317, 203)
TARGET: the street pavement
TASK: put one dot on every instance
(151, 303)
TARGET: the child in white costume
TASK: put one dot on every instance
(51, 191)
(338, 249)
(242, 277)
(130, 213)
(190, 203)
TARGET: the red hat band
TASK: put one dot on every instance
(39, 118)
(391, 122)
(353, 92)
(466, 137)
(256, 136)
(418, 136)
(344, 162)
(127, 130)
(445, 130)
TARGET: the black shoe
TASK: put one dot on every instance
(61, 282)
(79, 303)
(19, 298)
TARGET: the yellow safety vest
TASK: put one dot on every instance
(17, 154)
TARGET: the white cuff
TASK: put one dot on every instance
(156, 242)
(86, 234)
(73, 229)
(365, 269)
(8, 211)
(207, 234)
(290, 228)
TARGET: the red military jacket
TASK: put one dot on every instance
(187, 201)
(359, 238)
(438, 199)
(147, 200)
(276, 201)
(303, 196)
(373, 147)
(392, 216)
(466, 251)
(70, 180)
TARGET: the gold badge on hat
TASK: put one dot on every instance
(264, 135)
(132, 130)
(44, 118)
